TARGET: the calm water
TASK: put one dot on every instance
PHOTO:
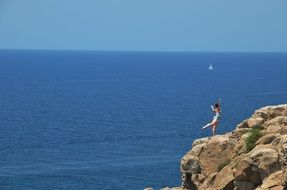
(110, 120)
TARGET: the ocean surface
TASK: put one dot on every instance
(120, 120)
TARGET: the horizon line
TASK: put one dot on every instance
(139, 51)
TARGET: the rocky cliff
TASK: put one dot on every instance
(253, 156)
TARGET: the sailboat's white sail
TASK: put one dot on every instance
(210, 67)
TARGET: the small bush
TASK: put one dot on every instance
(252, 138)
(223, 164)
(236, 165)
(257, 126)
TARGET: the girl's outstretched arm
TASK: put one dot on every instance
(219, 103)
(212, 108)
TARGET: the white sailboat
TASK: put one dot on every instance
(210, 67)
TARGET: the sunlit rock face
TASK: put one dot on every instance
(253, 156)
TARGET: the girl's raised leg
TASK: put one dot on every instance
(209, 124)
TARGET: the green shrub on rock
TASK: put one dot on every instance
(250, 141)
(223, 164)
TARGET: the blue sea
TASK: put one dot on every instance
(86, 120)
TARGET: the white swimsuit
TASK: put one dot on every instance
(217, 116)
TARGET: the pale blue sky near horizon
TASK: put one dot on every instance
(144, 25)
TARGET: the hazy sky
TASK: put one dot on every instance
(162, 25)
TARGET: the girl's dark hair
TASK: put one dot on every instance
(216, 105)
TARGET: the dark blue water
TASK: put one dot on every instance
(120, 120)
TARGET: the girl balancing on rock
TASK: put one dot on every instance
(216, 118)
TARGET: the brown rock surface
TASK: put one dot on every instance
(223, 162)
